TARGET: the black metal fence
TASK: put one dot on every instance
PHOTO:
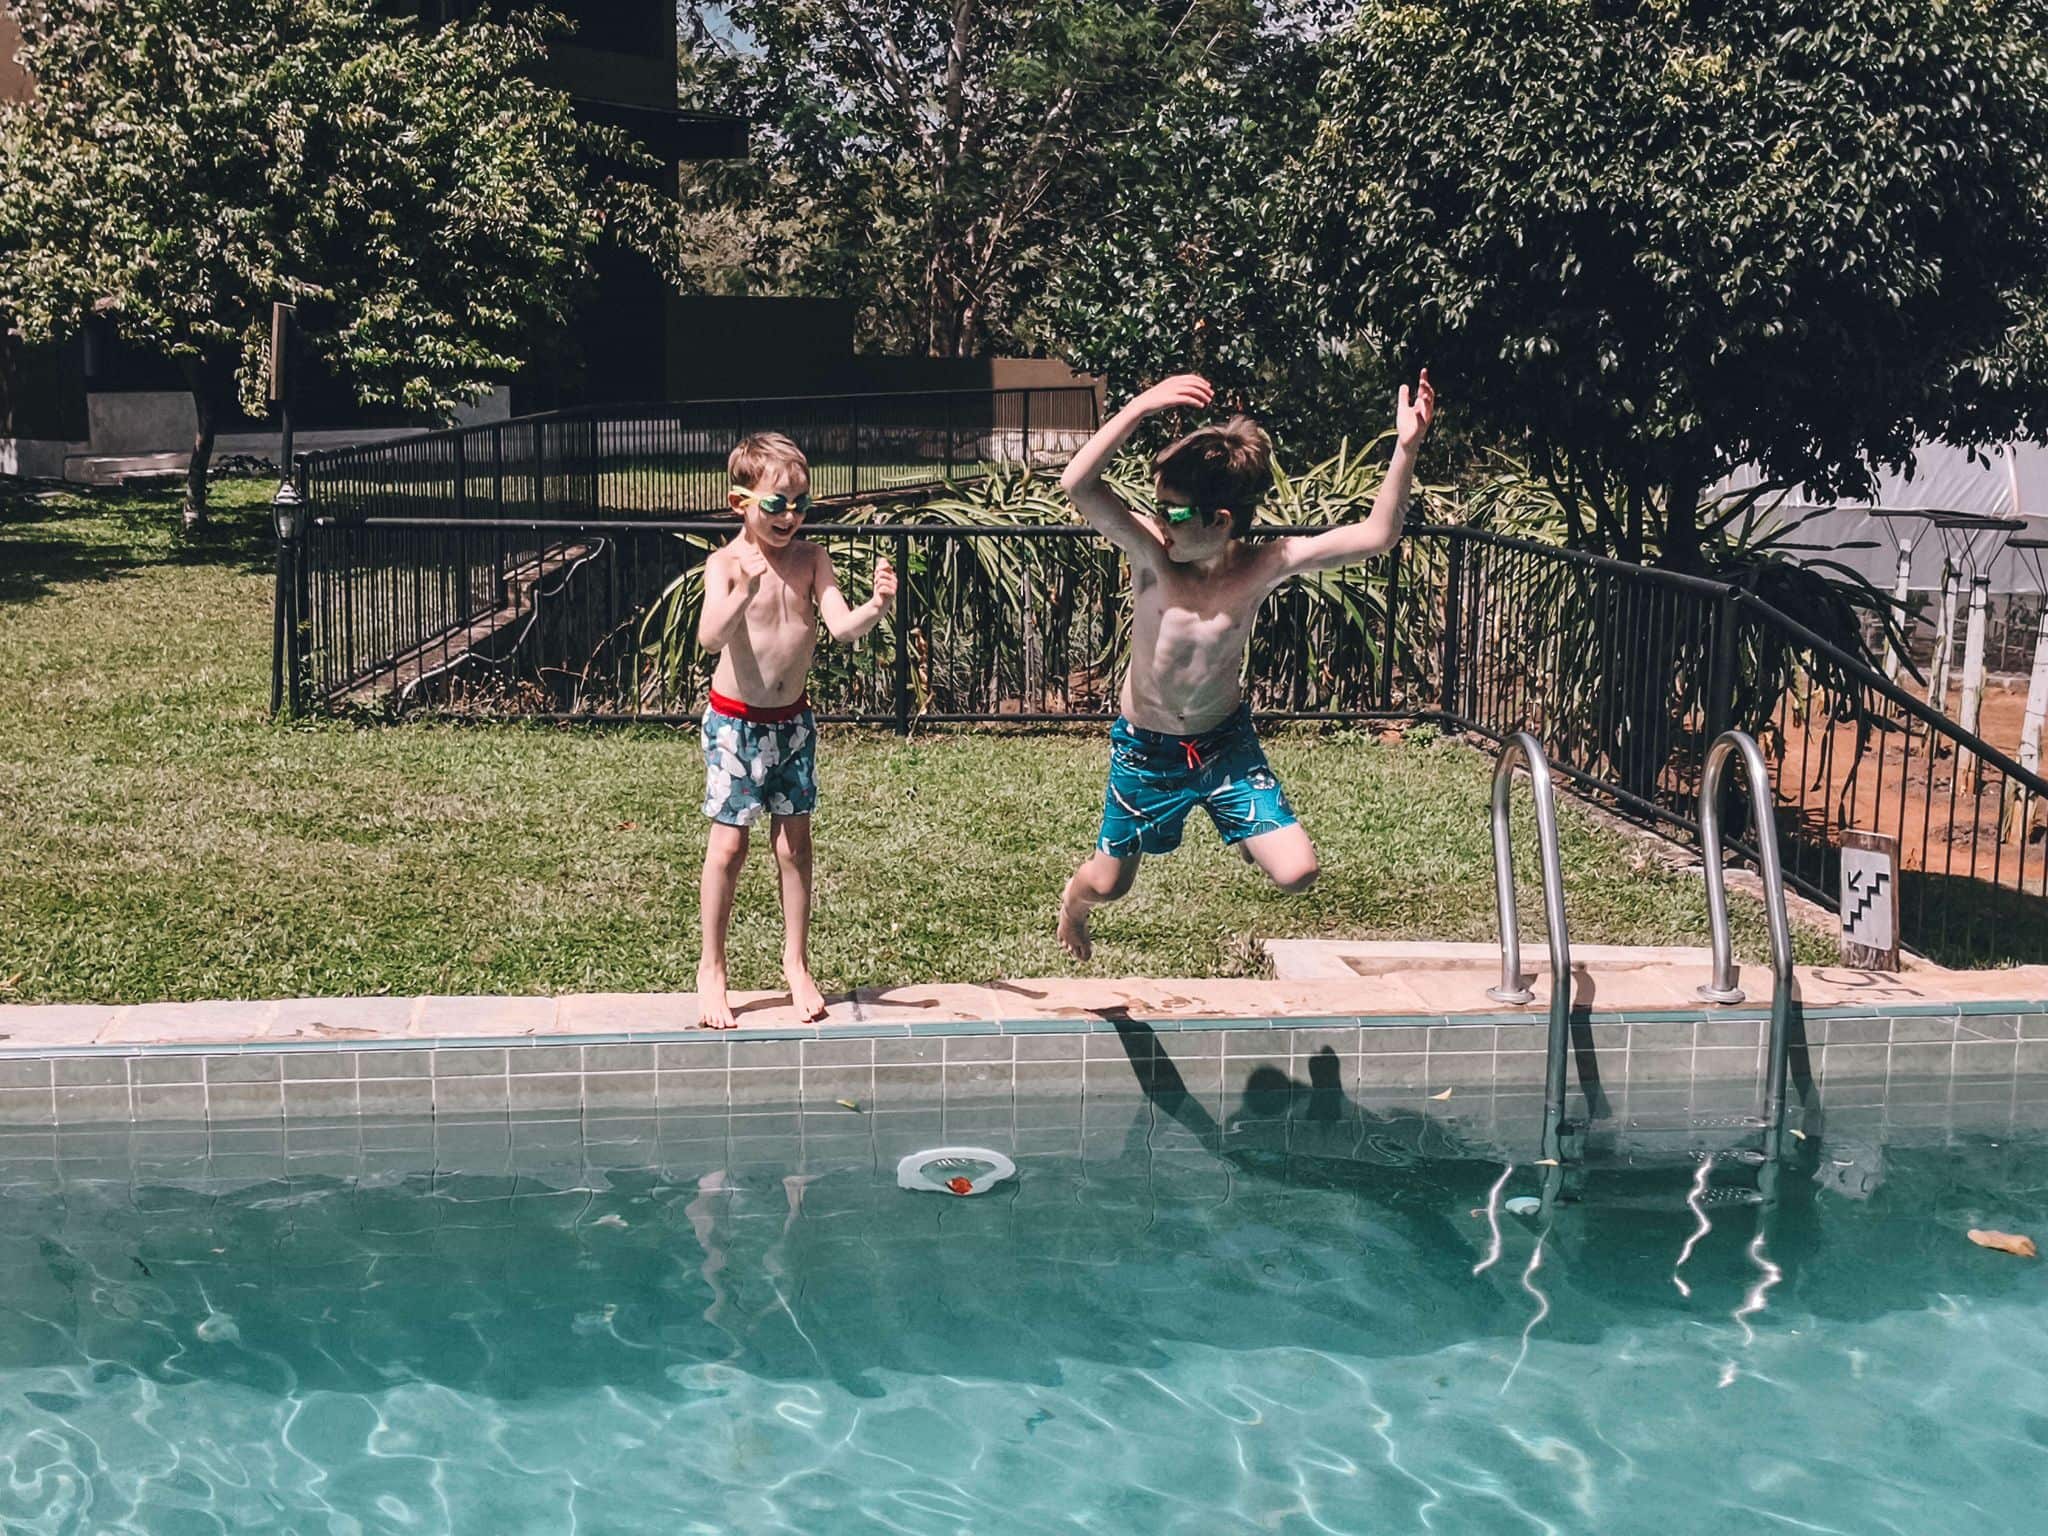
(596, 620)
(1626, 673)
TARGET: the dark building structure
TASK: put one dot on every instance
(96, 408)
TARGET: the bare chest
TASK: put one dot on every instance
(781, 604)
(1193, 616)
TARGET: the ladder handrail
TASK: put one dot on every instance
(1524, 748)
(1721, 988)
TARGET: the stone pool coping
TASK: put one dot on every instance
(1650, 993)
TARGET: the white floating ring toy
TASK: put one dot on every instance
(954, 1170)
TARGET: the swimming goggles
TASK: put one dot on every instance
(778, 504)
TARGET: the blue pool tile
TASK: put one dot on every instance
(592, 1037)
(480, 1042)
(1041, 1026)
(957, 1027)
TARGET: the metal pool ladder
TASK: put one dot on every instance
(1526, 749)
(1722, 988)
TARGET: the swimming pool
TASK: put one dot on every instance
(1301, 1313)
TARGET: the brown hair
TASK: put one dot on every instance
(1228, 466)
(759, 452)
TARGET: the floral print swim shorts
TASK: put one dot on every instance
(757, 768)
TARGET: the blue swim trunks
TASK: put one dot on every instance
(1155, 780)
(755, 767)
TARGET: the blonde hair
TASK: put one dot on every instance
(758, 453)
(1228, 466)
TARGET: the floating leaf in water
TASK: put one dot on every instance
(1796, 1132)
(1546, 1162)
(848, 1104)
(1441, 1096)
(610, 1219)
(2005, 1242)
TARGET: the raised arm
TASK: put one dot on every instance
(1353, 542)
(1099, 506)
(731, 577)
(847, 624)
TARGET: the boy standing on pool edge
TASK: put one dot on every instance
(763, 596)
(1185, 736)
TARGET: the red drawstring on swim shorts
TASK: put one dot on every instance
(1187, 745)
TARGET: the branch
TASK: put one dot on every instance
(890, 71)
(956, 72)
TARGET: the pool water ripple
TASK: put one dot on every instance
(1151, 1332)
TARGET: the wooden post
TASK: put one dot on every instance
(1901, 593)
(2021, 809)
(1944, 638)
(2037, 701)
(1973, 652)
(1870, 900)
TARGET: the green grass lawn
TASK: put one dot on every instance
(164, 839)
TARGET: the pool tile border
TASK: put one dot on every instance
(1690, 1057)
(2028, 1021)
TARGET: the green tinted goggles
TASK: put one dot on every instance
(1178, 515)
(776, 505)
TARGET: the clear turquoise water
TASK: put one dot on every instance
(1278, 1330)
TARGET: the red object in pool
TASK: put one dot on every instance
(960, 1186)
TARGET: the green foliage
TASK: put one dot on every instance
(1187, 267)
(935, 161)
(185, 163)
(1656, 239)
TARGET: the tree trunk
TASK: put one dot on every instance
(1682, 521)
(209, 382)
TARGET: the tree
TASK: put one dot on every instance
(1659, 238)
(183, 164)
(937, 158)
(1189, 265)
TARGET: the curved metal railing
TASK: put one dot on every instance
(1527, 750)
(1722, 988)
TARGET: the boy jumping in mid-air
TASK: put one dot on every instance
(1185, 737)
(763, 596)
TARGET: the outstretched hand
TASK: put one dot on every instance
(1183, 389)
(1413, 414)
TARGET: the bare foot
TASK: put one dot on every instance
(1073, 926)
(804, 995)
(713, 1011)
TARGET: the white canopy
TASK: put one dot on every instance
(2007, 481)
